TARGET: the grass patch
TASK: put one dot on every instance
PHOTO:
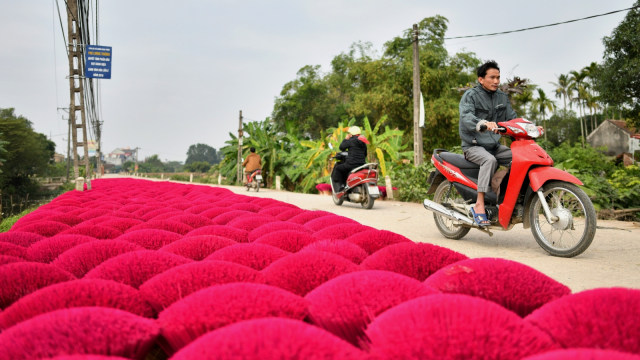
(7, 223)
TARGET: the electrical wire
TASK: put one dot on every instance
(542, 26)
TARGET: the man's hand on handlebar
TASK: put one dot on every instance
(492, 126)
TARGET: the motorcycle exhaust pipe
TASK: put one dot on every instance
(453, 215)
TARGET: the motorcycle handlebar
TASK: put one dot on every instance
(501, 129)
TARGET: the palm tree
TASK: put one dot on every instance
(591, 72)
(542, 104)
(562, 88)
(578, 85)
(593, 104)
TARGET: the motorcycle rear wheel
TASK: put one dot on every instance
(574, 231)
(257, 185)
(446, 195)
(368, 200)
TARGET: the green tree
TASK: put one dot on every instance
(128, 166)
(578, 87)
(562, 88)
(617, 81)
(271, 145)
(27, 154)
(198, 166)
(2, 152)
(363, 83)
(173, 166)
(563, 127)
(201, 152)
(305, 101)
(542, 103)
(152, 164)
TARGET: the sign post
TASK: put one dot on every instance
(97, 62)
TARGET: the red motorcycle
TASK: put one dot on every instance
(533, 192)
(362, 184)
(254, 180)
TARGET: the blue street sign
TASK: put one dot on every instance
(97, 62)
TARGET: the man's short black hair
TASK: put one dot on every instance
(252, 149)
(482, 69)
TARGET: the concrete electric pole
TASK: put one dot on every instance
(239, 172)
(76, 90)
(417, 131)
(99, 169)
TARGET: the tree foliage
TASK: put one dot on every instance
(200, 153)
(362, 83)
(198, 166)
(27, 153)
(152, 164)
(618, 81)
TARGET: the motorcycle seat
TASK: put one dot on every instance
(370, 166)
(458, 160)
(468, 168)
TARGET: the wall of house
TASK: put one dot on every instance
(612, 137)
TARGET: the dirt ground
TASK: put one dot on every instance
(612, 260)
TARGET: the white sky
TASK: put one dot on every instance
(182, 70)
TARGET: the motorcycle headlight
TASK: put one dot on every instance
(531, 129)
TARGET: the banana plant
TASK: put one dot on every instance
(385, 145)
(318, 154)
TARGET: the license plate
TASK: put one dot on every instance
(373, 190)
(258, 177)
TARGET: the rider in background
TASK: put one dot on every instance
(357, 149)
(252, 163)
(484, 104)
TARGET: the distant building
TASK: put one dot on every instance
(120, 155)
(58, 158)
(616, 137)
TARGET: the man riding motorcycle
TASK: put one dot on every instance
(486, 105)
(357, 150)
(252, 163)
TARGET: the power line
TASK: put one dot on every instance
(541, 26)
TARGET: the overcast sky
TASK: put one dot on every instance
(182, 70)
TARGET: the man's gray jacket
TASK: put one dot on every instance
(477, 107)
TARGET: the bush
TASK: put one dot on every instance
(609, 186)
(412, 181)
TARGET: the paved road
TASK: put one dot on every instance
(613, 259)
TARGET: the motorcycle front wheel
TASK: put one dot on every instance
(445, 195)
(368, 200)
(336, 200)
(575, 227)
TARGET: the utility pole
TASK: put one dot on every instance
(135, 167)
(76, 90)
(239, 164)
(98, 148)
(417, 131)
(68, 140)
